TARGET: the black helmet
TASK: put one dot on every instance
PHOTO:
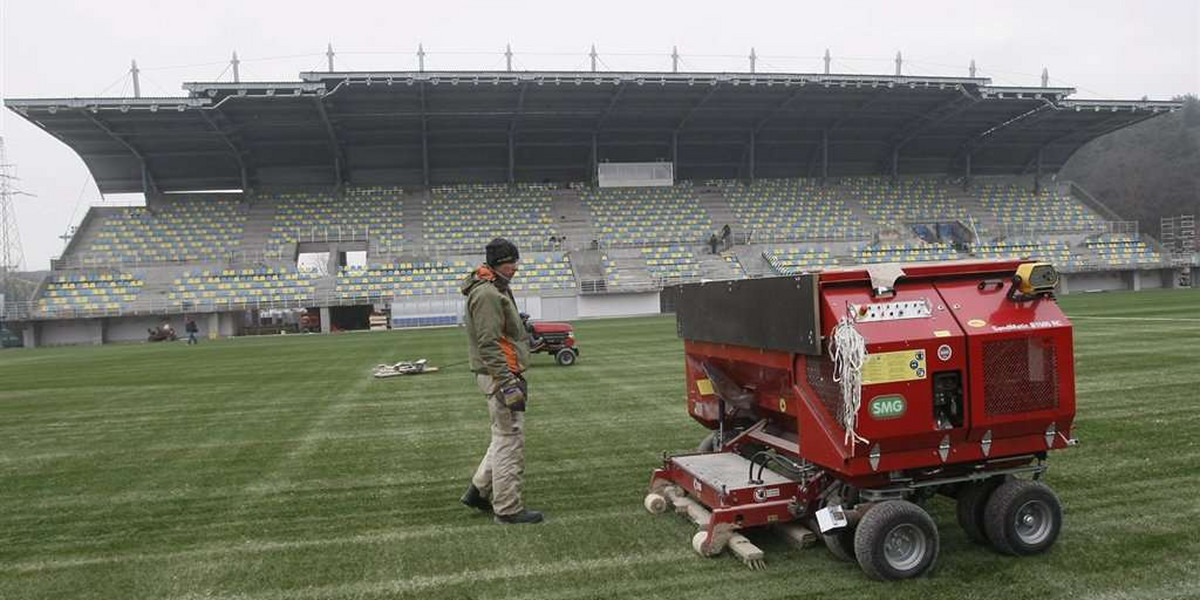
(500, 251)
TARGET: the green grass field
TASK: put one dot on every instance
(275, 468)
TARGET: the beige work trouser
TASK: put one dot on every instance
(501, 473)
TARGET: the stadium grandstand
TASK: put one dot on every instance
(342, 195)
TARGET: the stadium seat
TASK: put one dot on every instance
(198, 228)
(88, 293)
(648, 215)
(789, 210)
(464, 218)
(375, 214)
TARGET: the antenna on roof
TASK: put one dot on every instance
(329, 55)
(592, 54)
(674, 59)
(234, 63)
(972, 69)
(1045, 77)
(899, 63)
(827, 59)
(421, 57)
(753, 58)
(508, 57)
(137, 82)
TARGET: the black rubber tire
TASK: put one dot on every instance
(840, 543)
(876, 530)
(971, 502)
(565, 357)
(1023, 517)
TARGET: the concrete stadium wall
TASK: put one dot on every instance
(70, 332)
(563, 308)
(619, 305)
(133, 329)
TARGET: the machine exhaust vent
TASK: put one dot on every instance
(1019, 375)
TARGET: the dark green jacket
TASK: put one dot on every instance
(496, 338)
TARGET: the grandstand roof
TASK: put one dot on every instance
(440, 127)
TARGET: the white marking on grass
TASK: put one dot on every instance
(440, 532)
(422, 583)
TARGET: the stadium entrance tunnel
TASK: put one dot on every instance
(350, 318)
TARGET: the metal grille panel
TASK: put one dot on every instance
(1019, 375)
(820, 378)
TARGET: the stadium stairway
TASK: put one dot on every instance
(634, 273)
(986, 224)
(157, 283)
(85, 235)
(587, 267)
(260, 218)
(415, 202)
(753, 262)
(713, 201)
(571, 219)
(715, 267)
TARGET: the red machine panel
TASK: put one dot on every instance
(906, 354)
(1022, 366)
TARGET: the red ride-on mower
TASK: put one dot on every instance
(555, 339)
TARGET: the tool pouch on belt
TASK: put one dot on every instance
(512, 392)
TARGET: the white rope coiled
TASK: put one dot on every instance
(849, 352)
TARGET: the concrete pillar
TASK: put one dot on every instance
(1064, 286)
(1136, 281)
(326, 321)
(29, 336)
(331, 265)
(214, 326)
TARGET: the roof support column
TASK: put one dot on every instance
(424, 139)
(149, 185)
(751, 156)
(1037, 176)
(675, 151)
(967, 173)
(595, 174)
(824, 155)
(424, 153)
(512, 156)
(895, 163)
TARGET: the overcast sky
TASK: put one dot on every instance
(1112, 49)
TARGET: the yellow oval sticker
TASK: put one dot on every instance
(977, 323)
(782, 405)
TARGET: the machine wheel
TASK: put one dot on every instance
(565, 357)
(698, 544)
(896, 540)
(972, 499)
(1023, 517)
(840, 543)
(655, 503)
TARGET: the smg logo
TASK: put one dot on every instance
(883, 408)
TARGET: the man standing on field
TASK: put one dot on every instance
(498, 346)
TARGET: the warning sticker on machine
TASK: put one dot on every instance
(889, 367)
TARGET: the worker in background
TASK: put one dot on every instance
(498, 346)
(192, 329)
(712, 244)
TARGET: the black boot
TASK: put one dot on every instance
(525, 516)
(476, 500)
